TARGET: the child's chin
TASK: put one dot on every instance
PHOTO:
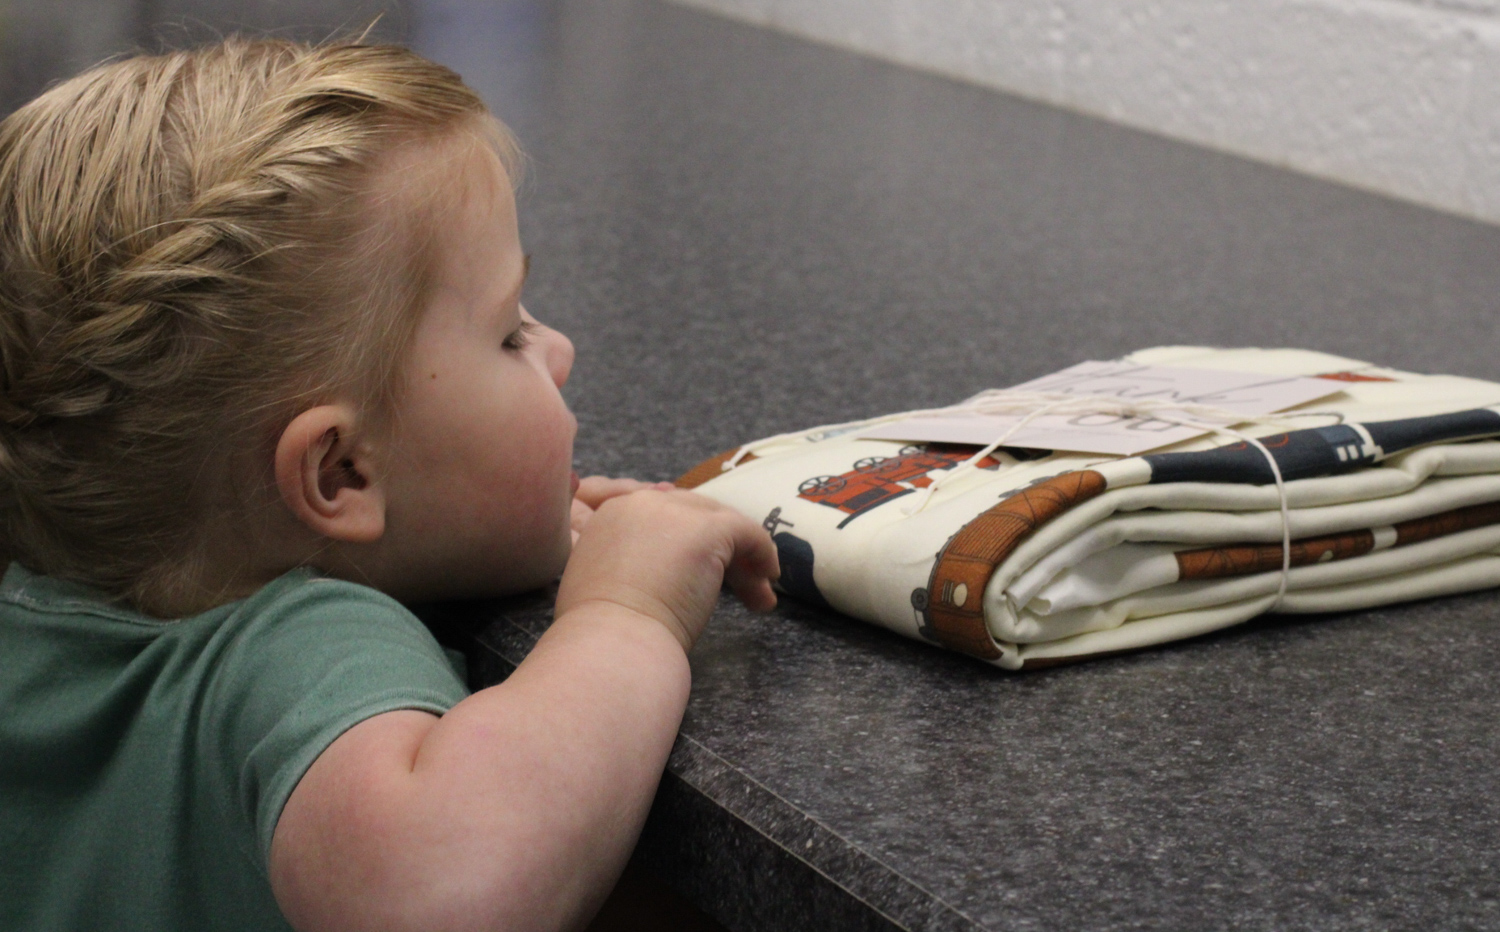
(544, 566)
(561, 551)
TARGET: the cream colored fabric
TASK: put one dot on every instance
(1104, 574)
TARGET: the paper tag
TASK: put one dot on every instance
(1245, 393)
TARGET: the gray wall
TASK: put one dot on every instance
(1398, 96)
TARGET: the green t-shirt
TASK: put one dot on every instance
(143, 763)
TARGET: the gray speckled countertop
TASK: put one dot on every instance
(745, 234)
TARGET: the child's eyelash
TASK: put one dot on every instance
(520, 338)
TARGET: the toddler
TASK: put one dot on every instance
(266, 376)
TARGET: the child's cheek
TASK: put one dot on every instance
(535, 467)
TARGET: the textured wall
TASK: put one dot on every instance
(1400, 96)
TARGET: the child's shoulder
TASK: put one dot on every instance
(300, 629)
(300, 596)
(213, 717)
(301, 632)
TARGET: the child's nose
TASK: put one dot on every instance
(559, 356)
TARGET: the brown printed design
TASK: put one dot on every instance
(1243, 560)
(711, 468)
(1246, 559)
(1449, 522)
(876, 480)
(953, 606)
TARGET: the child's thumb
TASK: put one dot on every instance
(754, 565)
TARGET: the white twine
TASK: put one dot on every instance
(1032, 405)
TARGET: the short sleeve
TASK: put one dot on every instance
(293, 668)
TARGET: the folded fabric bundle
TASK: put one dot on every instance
(1041, 557)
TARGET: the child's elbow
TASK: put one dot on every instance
(359, 847)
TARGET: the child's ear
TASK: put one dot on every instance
(326, 477)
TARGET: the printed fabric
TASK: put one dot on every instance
(1392, 490)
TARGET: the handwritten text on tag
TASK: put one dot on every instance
(1244, 393)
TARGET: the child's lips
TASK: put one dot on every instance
(573, 483)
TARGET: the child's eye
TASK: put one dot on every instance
(520, 337)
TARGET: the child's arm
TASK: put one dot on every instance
(518, 808)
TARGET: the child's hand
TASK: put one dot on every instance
(665, 554)
(596, 490)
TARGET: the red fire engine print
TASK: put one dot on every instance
(1353, 377)
(876, 480)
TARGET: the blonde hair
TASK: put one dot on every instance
(190, 253)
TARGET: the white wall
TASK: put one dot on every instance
(1399, 96)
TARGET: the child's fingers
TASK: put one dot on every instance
(578, 517)
(754, 566)
(756, 593)
(665, 554)
(596, 490)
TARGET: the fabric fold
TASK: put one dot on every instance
(1391, 485)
